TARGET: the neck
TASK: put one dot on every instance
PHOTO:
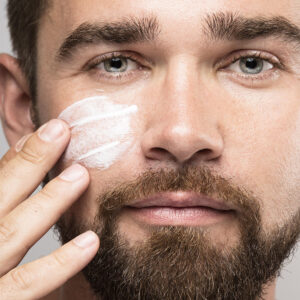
(269, 290)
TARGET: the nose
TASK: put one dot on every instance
(183, 124)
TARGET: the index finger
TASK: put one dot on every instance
(27, 168)
(11, 153)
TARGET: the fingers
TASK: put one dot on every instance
(37, 279)
(10, 154)
(28, 167)
(23, 221)
(30, 220)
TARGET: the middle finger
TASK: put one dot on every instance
(28, 222)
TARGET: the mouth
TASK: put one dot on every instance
(179, 208)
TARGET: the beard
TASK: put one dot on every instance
(182, 262)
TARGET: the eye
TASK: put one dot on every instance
(251, 65)
(117, 64)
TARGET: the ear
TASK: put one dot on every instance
(15, 100)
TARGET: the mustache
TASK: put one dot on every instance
(200, 179)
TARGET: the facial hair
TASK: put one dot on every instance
(182, 262)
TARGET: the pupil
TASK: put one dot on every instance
(251, 63)
(116, 63)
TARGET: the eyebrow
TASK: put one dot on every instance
(129, 30)
(229, 26)
(217, 26)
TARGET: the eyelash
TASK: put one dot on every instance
(118, 76)
(277, 65)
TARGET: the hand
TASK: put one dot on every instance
(24, 220)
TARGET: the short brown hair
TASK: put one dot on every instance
(23, 22)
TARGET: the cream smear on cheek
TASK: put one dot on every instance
(100, 131)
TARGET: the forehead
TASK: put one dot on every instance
(179, 21)
(65, 15)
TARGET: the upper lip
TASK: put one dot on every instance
(180, 199)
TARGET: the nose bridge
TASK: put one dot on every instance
(184, 123)
(179, 92)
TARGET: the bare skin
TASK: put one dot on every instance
(243, 128)
(38, 212)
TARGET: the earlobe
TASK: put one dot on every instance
(15, 100)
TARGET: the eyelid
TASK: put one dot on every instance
(101, 58)
(236, 55)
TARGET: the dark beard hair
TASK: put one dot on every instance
(180, 262)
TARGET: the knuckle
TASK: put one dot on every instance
(4, 160)
(30, 155)
(35, 207)
(60, 259)
(46, 194)
(21, 278)
(6, 233)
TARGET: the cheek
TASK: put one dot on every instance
(263, 149)
(101, 131)
(280, 160)
(279, 179)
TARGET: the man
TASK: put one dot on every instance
(172, 137)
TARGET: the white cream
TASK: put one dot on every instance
(99, 117)
(101, 131)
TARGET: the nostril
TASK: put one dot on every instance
(159, 149)
(205, 151)
(159, 153)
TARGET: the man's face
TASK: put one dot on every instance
(207, 103)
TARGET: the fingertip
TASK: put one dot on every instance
(73, 173)
(86, 239)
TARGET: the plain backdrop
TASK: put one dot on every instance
(288, 286)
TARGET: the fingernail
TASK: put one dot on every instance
(86, 239)
(72, 173)
(19, 145)
(51, 131)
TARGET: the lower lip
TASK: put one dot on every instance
(192, 216)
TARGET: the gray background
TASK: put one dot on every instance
(288, 287)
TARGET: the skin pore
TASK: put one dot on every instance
(200, 118)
